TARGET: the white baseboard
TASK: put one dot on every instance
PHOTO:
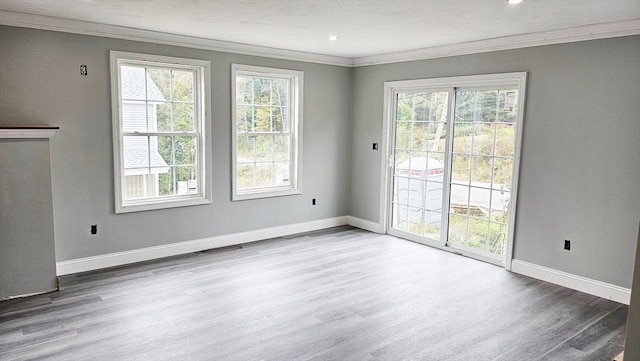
(174, 249)
(578, 283)
(364, 224)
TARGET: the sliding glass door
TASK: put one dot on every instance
(453, 154)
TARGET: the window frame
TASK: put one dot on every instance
(517, 80)
(202, 125)
(295, 98)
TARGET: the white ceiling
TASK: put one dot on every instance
(365, 27)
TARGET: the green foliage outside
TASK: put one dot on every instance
(483, 149)
(176, 114)
(262, 132)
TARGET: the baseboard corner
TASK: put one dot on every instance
(364, 224)
(575, 282)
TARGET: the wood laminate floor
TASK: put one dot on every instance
(336, 294)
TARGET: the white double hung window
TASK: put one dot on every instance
(267, 132)
(160, 123)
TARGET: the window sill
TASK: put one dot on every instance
(149, 205)
(265, 193)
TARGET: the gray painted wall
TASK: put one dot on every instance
(580, 168)
(632, 343)
(579, 172)
(27, 249)
(41, 83)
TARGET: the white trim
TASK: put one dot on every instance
(27, 133)
(295, 102)
(31, 21)
(365, 224)
(515, 171)
(579, 283)
(514, 79)
(568, 35)
(174, 249)
(385, 155)
(461, 251)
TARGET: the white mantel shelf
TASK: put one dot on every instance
(27, 131)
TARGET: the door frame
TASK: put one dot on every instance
(515, 79)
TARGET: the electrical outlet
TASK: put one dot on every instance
(83, 70)
(567, 245)
(94, 229)
(313, 202)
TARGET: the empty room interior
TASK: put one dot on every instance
(320, 180)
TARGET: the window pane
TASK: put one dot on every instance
(457, 228)
(497, 238)
(185, 150)
(244, 94)
(277, 118)
(404, 111)
(173, 117)
(244, 119)
(141, 152)
(281, 149)
(182, 89)
(264, 175)
(478, 233)
(483, 138)
(262, 119)
(420, 136)
(138, 116)
(481, 169)
(137, 84)
(179, 180)
(508, 106)
(279, 92)
(404, 138)
(437, 136)
(500, 198)
(261, 91)
(245, 149)
(164, 117)
(161, 80)
(186, 179)
(245, 176)
(459, 199)
(263, 147)
(286, 120)
(178, 150)
(422, 106)
(282, 174)
(462, 137)
(183, 117)
(400, 158)
(460, 166)
(506, 134)
(502, 170)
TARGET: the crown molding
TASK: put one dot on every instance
(580, 33)
(23, 20)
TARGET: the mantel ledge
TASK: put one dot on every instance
(27, 131)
